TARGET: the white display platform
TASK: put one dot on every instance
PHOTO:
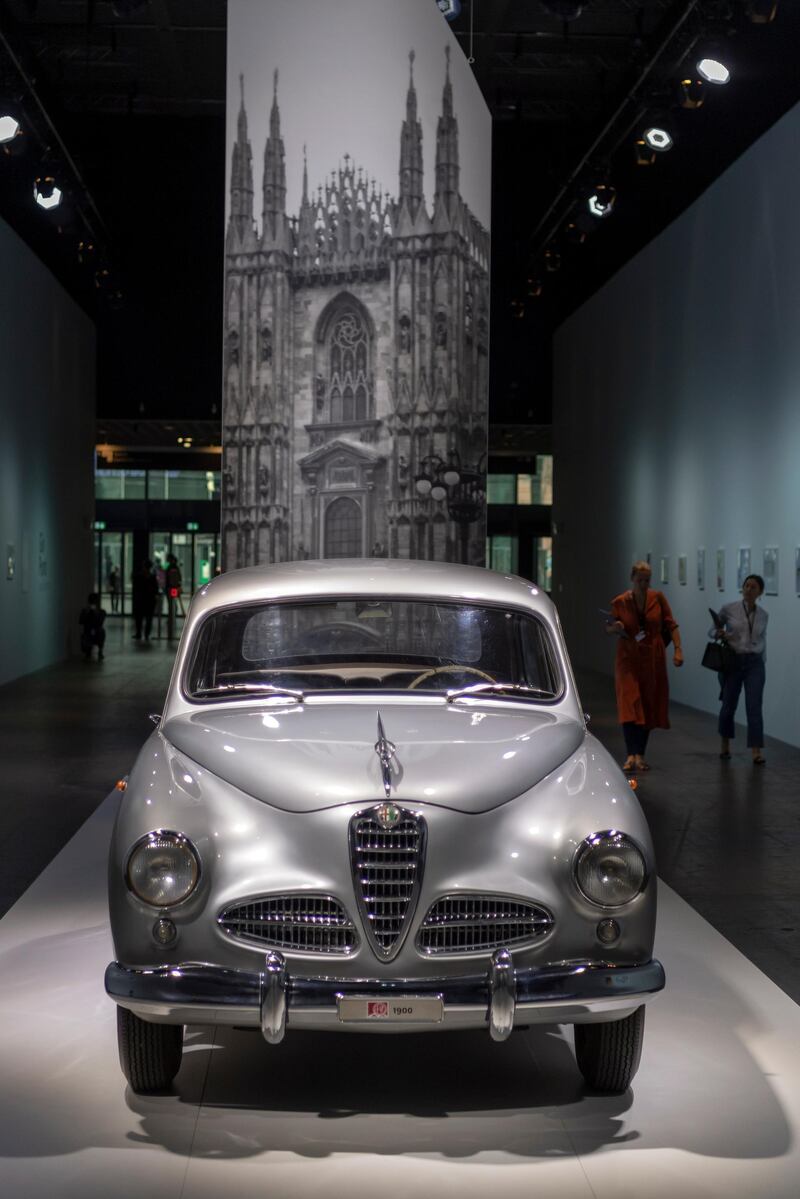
(714, 1110)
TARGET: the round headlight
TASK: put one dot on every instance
(163, 869)
(610, 869)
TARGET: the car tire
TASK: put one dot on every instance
(149, 1054)
(608, 1054)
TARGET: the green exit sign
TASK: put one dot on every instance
(192, 526)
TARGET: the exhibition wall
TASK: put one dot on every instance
(356, 327)
(47, 405)
(677, 426)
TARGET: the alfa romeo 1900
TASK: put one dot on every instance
(371, 804)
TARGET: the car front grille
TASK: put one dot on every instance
(471, 923)
(306, 923)
(387, 865)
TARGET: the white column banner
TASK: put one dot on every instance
(357, 292)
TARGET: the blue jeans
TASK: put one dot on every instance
(748, 673)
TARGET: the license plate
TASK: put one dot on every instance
(395, 1009)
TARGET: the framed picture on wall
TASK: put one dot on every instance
(664, 570)
(743, 568)
(701, 570)
(771, 570)
(682, 569)
(720, 570)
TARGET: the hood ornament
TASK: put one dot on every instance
(385, 751)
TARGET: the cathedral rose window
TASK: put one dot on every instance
(348, 356)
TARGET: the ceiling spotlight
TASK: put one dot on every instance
(691, 93)
(602, 200)
(762, 12)
(713, 70)
(574, 233)
(645, 154)
(45, 192)
(534, 288)
(86, 251)
(552, 261)
(9, 128)
(658, 138)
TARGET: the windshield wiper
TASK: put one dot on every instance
(260, 688)
(480, 688)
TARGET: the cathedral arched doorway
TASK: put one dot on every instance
(344, 529)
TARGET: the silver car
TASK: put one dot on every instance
(371, 804)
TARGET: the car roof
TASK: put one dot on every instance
(400, 578)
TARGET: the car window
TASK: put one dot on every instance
(369, 644)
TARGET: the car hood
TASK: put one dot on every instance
(309, 757)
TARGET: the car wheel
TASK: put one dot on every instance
(150, 1054)
(608, 1054)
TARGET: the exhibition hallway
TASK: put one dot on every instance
(714, 1109)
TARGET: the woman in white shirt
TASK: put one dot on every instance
(743, 627)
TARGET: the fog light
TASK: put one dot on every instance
(165, 932)
(607, 931)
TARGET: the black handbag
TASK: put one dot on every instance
(718, 657)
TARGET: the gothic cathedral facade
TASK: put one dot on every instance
(355, 360)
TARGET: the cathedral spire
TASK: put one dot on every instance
(242, 174)
(411, 149)
(274, 172)
(447, 146)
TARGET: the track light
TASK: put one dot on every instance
(574, 233)
(45, 192)
(658, 138)
(713, 70)
(534, 288)
(552, 261)
(12, 140)
(645, 154)
(762, 12)
(691, 93)
(9, 128)
(602, 200)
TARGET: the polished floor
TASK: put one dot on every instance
(713, 1111)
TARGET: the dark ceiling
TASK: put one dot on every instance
(129, 97)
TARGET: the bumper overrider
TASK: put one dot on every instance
(272, 999)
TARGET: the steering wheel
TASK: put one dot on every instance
(453, 668)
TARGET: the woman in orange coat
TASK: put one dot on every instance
(641, 619)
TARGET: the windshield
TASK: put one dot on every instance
(370, 645)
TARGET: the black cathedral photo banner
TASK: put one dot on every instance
(356, 335)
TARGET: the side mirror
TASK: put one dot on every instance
(155, 717)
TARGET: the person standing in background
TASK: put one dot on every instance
(113, 587)
(643, 621)
(145, 592)
(743, 626)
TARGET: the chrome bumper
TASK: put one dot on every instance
(271, 999)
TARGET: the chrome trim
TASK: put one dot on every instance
(464, 916)
(502, 995)
(587, 844)
(367, 918)
(199, 984)
(273, 1005)
(386, 751)
(301, 921)
(181, 839)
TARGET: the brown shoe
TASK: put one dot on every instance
(629, 764)
(640, 763)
